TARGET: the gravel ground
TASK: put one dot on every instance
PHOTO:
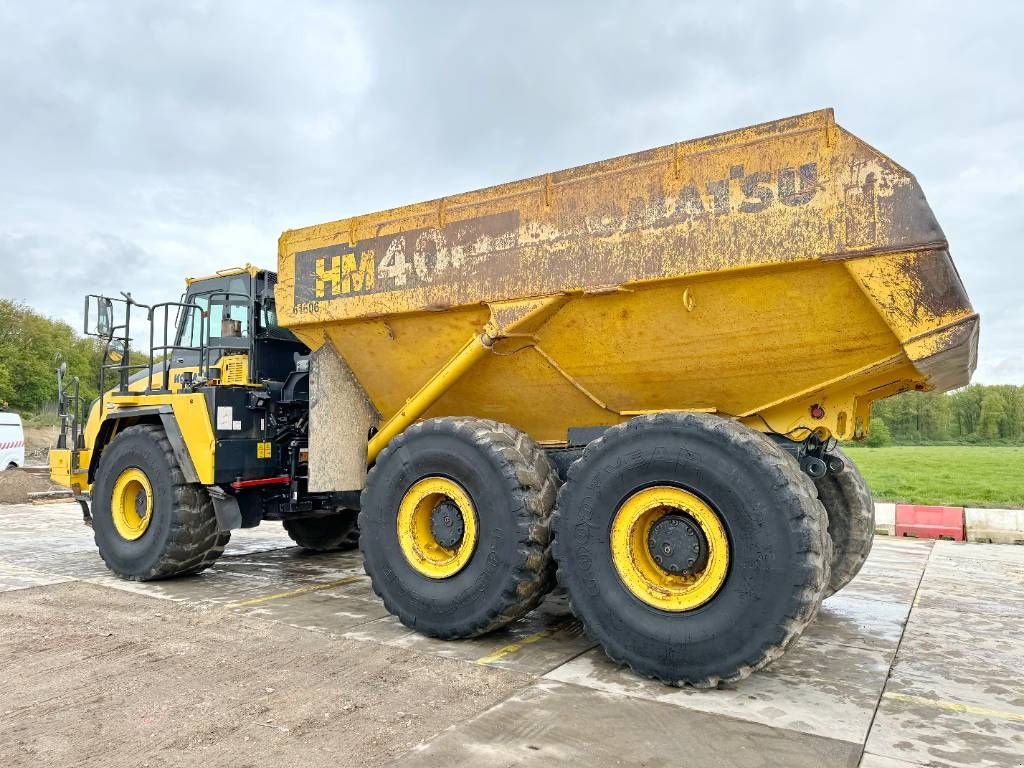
(109, 678)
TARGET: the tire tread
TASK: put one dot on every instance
(344, 538)
(851, 510)
(808, 518)
(534, 485)
(195, 542)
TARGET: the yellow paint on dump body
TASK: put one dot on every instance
(428, 394)
(757, 274)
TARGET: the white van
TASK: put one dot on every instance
(12, 441)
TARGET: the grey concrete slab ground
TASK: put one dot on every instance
(556, 724)
(544, 640)
(915, 663)
(956, 693)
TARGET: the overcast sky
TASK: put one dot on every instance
(145, 141)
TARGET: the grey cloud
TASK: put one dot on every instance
(193, 133)
(36, 266)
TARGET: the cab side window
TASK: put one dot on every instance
(192, 327)
(225, 303)
(228, 318)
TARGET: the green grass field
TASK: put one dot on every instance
(958, 475)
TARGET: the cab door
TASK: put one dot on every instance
(221, 328)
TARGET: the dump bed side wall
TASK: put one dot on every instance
(677, 265)
(794, 189)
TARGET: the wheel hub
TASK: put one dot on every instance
(447, 525)
(670, 548)
(131, 503)
(437, 527)
(677, 545)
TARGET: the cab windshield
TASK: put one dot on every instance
(226, 303)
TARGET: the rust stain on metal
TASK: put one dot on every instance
(778, 227)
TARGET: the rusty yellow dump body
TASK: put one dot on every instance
(787, 274)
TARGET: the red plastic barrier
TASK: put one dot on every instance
(930, 522)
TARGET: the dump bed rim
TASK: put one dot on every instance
(821, 119)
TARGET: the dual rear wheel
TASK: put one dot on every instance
(693, 548)
(851, 520)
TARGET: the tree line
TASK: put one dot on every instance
(980, 413)
(31, 347)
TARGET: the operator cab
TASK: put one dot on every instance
(236, 316)
(217, 361)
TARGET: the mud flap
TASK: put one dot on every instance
(83, 502)
(225, 507)
(340, 418)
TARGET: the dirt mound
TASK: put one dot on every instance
(38, 439)
(17, 484)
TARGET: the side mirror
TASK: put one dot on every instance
(116, 352)
(62, 371)
(105, 318)
(267, 317)
(102, 309)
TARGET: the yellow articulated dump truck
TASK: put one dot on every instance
(628, 378)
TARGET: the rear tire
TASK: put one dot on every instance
(337, 532)
(851, 521)
(176, 534)
(483, 492)
(769, 522)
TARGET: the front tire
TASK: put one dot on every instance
(149, 523)
(693, 549)
(455, 526)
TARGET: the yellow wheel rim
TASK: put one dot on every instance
(416, 534)
(645, 578)
(131, 504)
